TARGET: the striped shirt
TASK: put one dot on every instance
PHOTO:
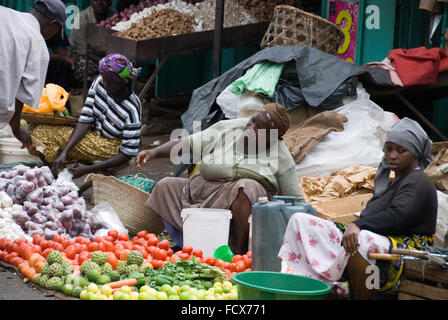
(112, 119)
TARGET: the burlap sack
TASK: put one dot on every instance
(437, 170)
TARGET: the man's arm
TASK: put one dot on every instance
(22, 134)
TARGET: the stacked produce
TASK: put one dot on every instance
(113, 267)
(45, 206)
(163, 23)
(201, 12)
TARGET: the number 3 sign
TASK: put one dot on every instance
(345, 16)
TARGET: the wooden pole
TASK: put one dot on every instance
(217, 38)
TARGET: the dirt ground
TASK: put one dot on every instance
(12, 286)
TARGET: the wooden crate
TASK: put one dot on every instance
(344, 210)
(422, 282)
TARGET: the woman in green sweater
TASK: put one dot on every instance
(240, 161)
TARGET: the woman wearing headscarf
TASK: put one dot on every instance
(241, 160)
(107, 134)
(401, 214)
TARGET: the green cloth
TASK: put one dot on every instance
(261, 78)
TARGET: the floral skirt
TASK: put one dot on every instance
(312, 247)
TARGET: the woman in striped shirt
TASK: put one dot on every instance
(110, 122)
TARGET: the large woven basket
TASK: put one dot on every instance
(291, 26)
(128, 202)
(37, 119)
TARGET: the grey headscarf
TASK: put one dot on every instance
(410, 135)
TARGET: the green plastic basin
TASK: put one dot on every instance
(267, 285)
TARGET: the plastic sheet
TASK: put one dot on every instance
(106, 216)
(361, 142)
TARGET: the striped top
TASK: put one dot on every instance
(114, 119)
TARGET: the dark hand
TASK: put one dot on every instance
(80, 170)
(58, 164)
(23, 135)
(144, 156)
(350, 239)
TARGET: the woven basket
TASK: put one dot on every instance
(50, 119)
(291, 26)
(128, 202)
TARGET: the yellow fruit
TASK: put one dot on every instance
(134, 295)
(161, 295)
(106, 290)
(92, 287)
(83, 295)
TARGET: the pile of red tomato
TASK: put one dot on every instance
(25, 255)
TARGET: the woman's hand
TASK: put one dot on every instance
(350, 239)
(58, 164)
(145, 156)
(80, 170)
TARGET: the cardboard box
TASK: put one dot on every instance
(344, 210)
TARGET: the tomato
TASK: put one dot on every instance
(109, 246)
(98, 239)
(3, 242)
(123, 236)
(46, 252)
(249, 254)
(143, 252)
(140, 242)
(58, 246)
(113, 233)
(169, 252)
(14, 247)
(15, 261)
(70, 251)
(187, 249)
(237, 258)
(101, 246)
(11, 256)
(26, 252)
(157, 263)
(184, 255)
(82, 258)
(197, 253)
(124, 254)
(247, 261)
(152, 241)
(219, 263)
(112, 260)
(128, 245)
(94, 246)
(164, 244)
(240, 266)
(3, 255)
(37, 248)
(108, 238)
(142, 234)
(36, 239)
(211, 261)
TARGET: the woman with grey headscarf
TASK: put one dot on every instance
(402, 213)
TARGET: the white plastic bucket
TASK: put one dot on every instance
(205, 228)
(10, 151)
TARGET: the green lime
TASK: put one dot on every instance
(67, 289)
(93, 276)
(103, 279)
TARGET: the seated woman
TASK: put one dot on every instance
(241, 160)
(108, 130)
(401, 213)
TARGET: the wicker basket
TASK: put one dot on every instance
(128, 202)
(291, 26)
(36, 119)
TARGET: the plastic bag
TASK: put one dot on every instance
(234, 106)
(53, 99)
(361, 142)
(105, 215)
(65, 178)
(442, 220)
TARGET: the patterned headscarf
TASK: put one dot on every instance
(118, 67)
